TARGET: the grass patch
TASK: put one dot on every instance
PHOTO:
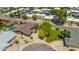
(46, 32)
(53, 36)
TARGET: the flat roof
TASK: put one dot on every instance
(72, 19)
(75, 13)
(5, 37)
(49, 17)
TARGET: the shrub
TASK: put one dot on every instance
(41, 34)
(34, 17)
(77, 24)
(25, 41)
(16, 42)
(64, 34)
(24, 17)
(71, 50)
(11, 15)
(57, 28)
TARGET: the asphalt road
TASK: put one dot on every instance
(74, 40)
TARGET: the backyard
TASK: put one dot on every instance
(53, 36)
(46, 32)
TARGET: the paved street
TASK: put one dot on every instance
(74, 40)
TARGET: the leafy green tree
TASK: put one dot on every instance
(34, 17)
(46, 27)
(32, 8)
(18, 12)
(41, 34)
(11, 8)
(60, 13)
(24, 17)
(64, 34)
(11, 15)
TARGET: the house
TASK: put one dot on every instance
(6, 24)
(73, 11)
(49, 17)
(5, 38)
(72, 19)
(26, 28)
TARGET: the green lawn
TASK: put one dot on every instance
(48, 32)
(53, 36)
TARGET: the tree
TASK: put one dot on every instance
(24, 17)
(11, 15)
(46, 27)
(60, 13)
(41, 34)
(32, 8)
(18, 12)
(64, 34)
(10, 9)
(34, 17)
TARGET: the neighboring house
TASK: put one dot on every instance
(49, 17)
(5, 38)
(71, 20)
(73, 11)
(6, 24)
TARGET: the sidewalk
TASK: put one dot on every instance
(71, 26)
(58, 45)
(36, 39)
